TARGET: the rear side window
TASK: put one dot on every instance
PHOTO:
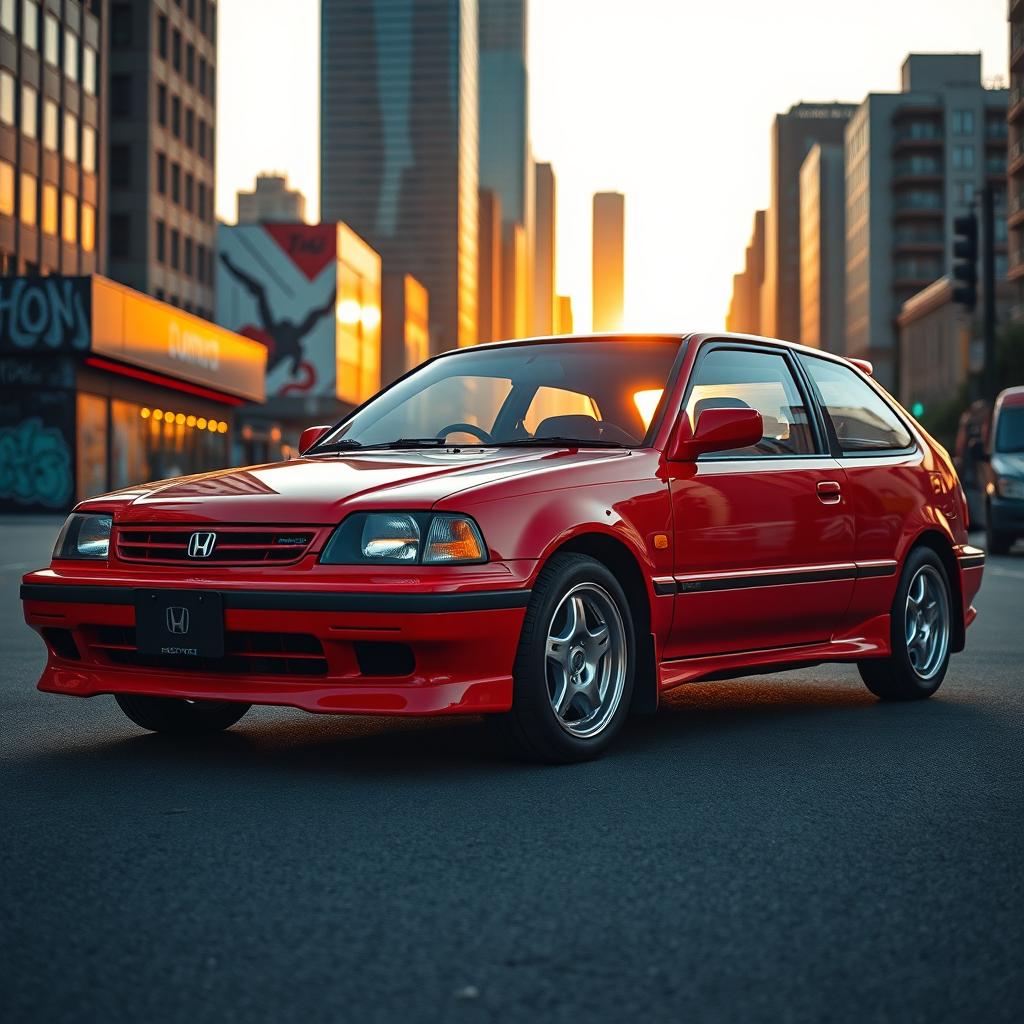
(863, 420)
(740, 379)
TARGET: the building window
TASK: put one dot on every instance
(49, 209)
(175, 249)
(29, 111)
(70, 137)
(161, 35)
(51, 125)
(71, 55)
(161, 174)
(30, 24)
(51, 40)
(69, 224)
(202, 75)
(88, 149)
(189, 191)
(8, 16)
(88, 227)
(120, 235)
(176, 183)
(7, 114)
(963, 122)
(121, 95)
(161, 105)
(192, 9)
(89, 70)
(176, 117)
(161, 241)
(6, 188)
(121, 25)
(963, 158)
(202, 15)
(188, 256)
(190, 63)
(29, 202)
(202, 137)
(120, 166)
(202, 201)
(190, 129)
(176, 50)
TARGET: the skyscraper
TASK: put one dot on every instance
(163, 122)
(744, 314)
(823, 248)
(489, 246)
(399, 146)
(544, 251)
(915, 160)
(51, 137)
(609, 260)
(505, 164)
(793, 134)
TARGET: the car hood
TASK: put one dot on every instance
(320, 490)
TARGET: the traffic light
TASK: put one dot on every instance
(965, 261)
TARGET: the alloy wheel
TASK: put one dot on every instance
(927, 622)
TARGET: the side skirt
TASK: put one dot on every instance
(872, 641)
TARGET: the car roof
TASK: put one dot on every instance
(1011, 396)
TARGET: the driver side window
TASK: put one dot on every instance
(744, 379)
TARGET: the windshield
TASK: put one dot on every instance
(1010, 431)
(595, 393)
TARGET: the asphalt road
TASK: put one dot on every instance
(784, 849)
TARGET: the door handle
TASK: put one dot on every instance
(829, 492)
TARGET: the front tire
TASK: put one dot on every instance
(997, 542)
(573, 674)
(921, 630)
(175, 717)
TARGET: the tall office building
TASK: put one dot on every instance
(793, 134)
(544, 251)
(163, 123)
(744, 314)
(915, 160)
(271, 201)
(823, 248)
(505, 164)
(609, 260)
(52, 167)
(489, 246)
(1015, 204)
(399, 149)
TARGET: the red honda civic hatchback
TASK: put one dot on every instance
(548, 533)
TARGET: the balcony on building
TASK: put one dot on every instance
(997, 132)
(918, 204)
(1017, 41)
(1015, 157)
(1016, 100)
(917, 169)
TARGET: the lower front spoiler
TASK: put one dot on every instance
(462, 649)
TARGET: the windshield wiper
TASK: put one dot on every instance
(400, 442)
(555, 442)
(342, 445)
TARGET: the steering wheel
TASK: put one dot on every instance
(465, 428)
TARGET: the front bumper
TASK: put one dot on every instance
(321, 650)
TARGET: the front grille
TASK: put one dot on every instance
(232, 545)
(255, 654)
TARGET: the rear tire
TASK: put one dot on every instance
(573, 674)
(175, 717)
(921, 631)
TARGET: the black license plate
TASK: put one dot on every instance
(179, 623)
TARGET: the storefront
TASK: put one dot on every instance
(102, 387)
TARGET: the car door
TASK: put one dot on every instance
(764, 537)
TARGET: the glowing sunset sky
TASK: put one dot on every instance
(668, 101)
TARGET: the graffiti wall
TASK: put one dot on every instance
(277, 284)
(37, 454)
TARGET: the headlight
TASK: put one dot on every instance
(84, 535)
(397, 538)
(1010, 487)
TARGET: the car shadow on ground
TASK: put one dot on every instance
(693, 723)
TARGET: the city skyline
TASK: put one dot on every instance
(593, 126)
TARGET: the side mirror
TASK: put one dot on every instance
(717, 430)
(310, 436)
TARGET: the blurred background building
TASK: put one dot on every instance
(609, 261)
(1015, 184)
(545, 250)
(271, 200)
(162, 147)
(744, 314)
(52, 121)
(399, 157)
